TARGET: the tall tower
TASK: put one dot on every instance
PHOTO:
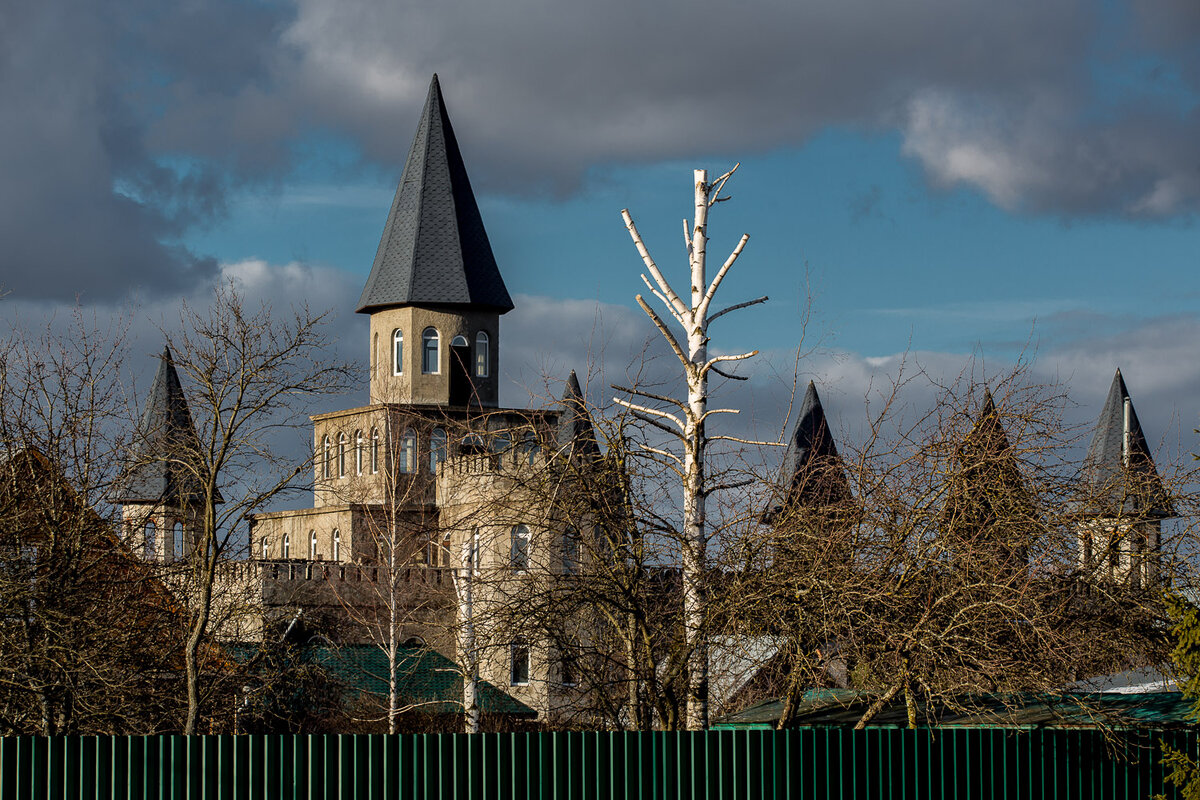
(435, 294)
(1126, 501)
(158, 494)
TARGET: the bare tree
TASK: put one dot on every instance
(89, 638)
(249, 375)
(946, 565)
(687, 421)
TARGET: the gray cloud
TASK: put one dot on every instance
(126, 125)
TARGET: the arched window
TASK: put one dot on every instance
(397, 352)
(266, 549)
(519, 672)
(337, 545)
(341, 455)
(151, 542)
(481, 354)
(326, 457)
(374, 450)
(358, 452)
(437, 449)
(429, 351)
(408, 451)
(177, 539)
(312, 545)
(287, 546)
(459, 341)
(519, 548)
(446, 551)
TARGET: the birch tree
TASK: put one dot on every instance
(686, 421)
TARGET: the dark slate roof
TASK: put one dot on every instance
(434, 249)
(1112, 487)
(575, 433)
(812, 474)
(152, 472)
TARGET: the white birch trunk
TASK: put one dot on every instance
(695, 537)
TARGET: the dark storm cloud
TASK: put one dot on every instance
(87, 205)
(126, 124)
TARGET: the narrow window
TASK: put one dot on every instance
(570, 552)
(312, 545)
(326, 457)
(397, 352)
(266, 549)
(287, 546)
(519, 671)
(473, 553)
(374, 353)
(341, 455)
(519, 548)
(437, 449)
(568, 669)
(337, 545)
(151, 548)
(177, 539)
(481, 355)
(374, 450)
(408, 451)
(431, 550)
(358, 452)
(446, 551)
(429, 351)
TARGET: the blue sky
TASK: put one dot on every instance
(956, 179)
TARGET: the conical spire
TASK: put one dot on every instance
(575, 433)
(989, 512)
(434, 249)
(812, 473)
(1119, 471)
(164, 436)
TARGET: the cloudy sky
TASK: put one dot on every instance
(965, 181)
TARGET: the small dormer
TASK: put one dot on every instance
(435, 294)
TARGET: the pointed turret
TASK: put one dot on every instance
(152, 471)
(574, 432)
(434, 249)
(812, 474)
(1119, 472)
(990, 517)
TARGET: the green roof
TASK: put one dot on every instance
(844, 707)
(426, 680)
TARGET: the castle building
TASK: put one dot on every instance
(431, 478)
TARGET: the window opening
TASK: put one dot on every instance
(397, 352)
(519, 668)
(519, 548)
(482, 355)
(429, 351)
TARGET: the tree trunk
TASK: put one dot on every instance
(191, 651)
(695, 540)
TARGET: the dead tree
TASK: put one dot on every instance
(687, 420)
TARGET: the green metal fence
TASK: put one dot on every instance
(718, 765)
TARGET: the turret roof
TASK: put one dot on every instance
(164, 436)
(575, 432)
(434, 249)
(1117, 482)
(812, 473)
